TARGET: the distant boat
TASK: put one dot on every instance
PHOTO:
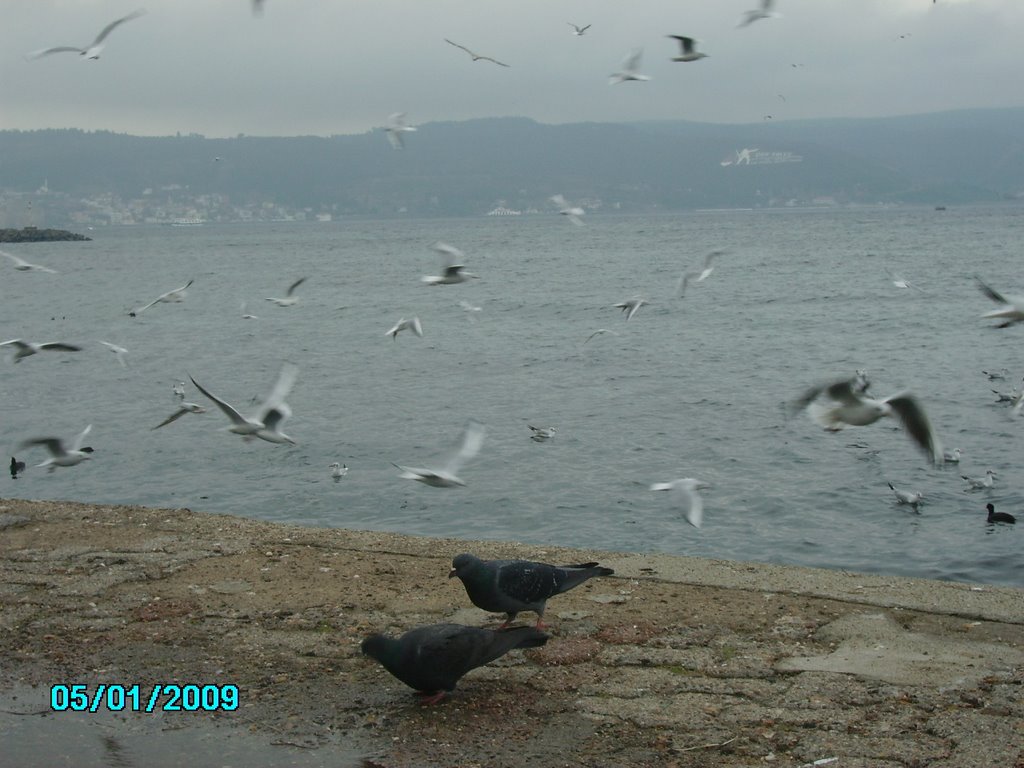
(187, 222)
(940, 207)
(502, 211)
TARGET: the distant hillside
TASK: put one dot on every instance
(464, 168)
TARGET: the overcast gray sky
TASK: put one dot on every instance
(328, 67)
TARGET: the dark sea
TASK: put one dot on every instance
(691, 387)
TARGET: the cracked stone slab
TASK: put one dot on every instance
(874, 645)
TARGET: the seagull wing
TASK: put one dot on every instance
(77, 445)
(61, 346)
(296, 284)
(112, 25)
(495, 61)
(58, 49)
(632, 62)
(15, 343)
(911, 414)
(173, 417)
(275, 401)
(472, 440)
(53, 444)
(230, 412)
(460, 46)
(991, 292)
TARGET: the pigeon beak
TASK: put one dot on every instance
(451, 573)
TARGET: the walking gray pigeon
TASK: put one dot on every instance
(432, 659)
(511, 586)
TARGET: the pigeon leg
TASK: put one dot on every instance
(427, 698)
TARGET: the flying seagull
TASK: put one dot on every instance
(512, 586)
(23, 266)
(406, 325)
(600, 331)
(685, 489)
(454, 270)
(119, 351)
(185, 407)
(573, 212)
(432, 659)
(764, 12)
(476, 56)
(59, 455)
(396, 127)
(177, 295)
(266, 421)
(630, 307)
(629, 68)
(1011, 312)
(94, 49)
(899, 282)
(689, 52)
(446, 476)
(28, 348)
(289, 299)
(855, 408)
(578, 31)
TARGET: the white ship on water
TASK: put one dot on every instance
(503, 211)
(187, 222)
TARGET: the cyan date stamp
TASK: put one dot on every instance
(160, 697)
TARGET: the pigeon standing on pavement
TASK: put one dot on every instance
(432, 659)
(511, 586)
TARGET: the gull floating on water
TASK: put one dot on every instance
(906, 497)
(630, 307)
(266, 421)
(119, 351)
(540, 434)
(28, 348)
(59, 455)
(289, 299)
(186, 407)
(952, 457)
(406, 325)
(764, 12)
(689, 52)
(476, 56)
(454, 269)
(980, 483)
(1001, 374)
(23, 266)
(1012, 310)
(96, 47)
(629, 68)
(338, 471)
(685, 490)
(175, 296)
(178, 388)
(446, 477)
(573, 212)
(396, 127)
(856, 409)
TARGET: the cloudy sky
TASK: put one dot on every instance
(326, 67)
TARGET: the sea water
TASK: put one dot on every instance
(689, 387)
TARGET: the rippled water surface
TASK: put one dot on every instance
(688, 387)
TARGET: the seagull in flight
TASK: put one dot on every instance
(685, 490)
(28, 348)
(899, 282)
(454, 270)
(96, 47)
(630, 307)
(406, 325)
(119, 351)
(59, 455)
(186, 407)
(578, 31)
(689, 52)
(848, 406)
(629, 68)
(266, 422)
(23, 266)
(764, 12)
(396, 127)
(573, 212)
(446, 477)
(175, 296)
(598, 332)
(289, 300)
(1011, 311)
(476, 56)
